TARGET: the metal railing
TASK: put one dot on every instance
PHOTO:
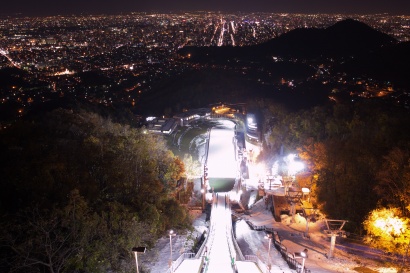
(229, 235)
(175, 264)
(211, 235)
(287, 256)
(239, 255)
(261, 265)
(203, 245)
(255, 227)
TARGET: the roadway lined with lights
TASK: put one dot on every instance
(6, 55)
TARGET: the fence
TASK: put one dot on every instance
(180, 259)
(232, 249)
(288, 257)
(254, 227)
(255, 259)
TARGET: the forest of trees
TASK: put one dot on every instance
(79, 191)
(357, 155)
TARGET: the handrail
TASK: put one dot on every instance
(211, 232)
(184, 256)
(239, 254)
(287, 256)
(229, 237)
(255, 259)
(177, 262)
(201, 249)
(254, 227)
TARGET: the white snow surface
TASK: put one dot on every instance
(291, 235)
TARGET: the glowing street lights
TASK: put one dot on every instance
(302, 255)
(269, 237)
(137, 250)
(171, 234)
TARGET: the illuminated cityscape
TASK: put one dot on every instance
(129, 52)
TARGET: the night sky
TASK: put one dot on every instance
(63, 7)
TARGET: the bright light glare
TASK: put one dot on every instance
(391, 225)
(221, 158)
(260, 170)
(291, 166)
(290, 158)
(235, 196)
(275, 168)
(295, 167)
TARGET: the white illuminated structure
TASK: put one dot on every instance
(220, 251)
(221, 154)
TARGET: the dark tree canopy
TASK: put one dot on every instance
(357, 154)
(86, 189)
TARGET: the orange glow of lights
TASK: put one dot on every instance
(390, 225)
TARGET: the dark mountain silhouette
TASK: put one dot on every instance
(342, 40)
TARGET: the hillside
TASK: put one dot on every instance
(342, 40)
(389, 63)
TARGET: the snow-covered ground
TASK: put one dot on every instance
(253, 242)
(157, 260)
(291, 234)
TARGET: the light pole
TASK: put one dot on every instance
(302, 255)
(269, 237)
(171, 234)
(137, 250)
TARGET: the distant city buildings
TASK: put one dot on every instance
(164, 126)
(111, 59)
